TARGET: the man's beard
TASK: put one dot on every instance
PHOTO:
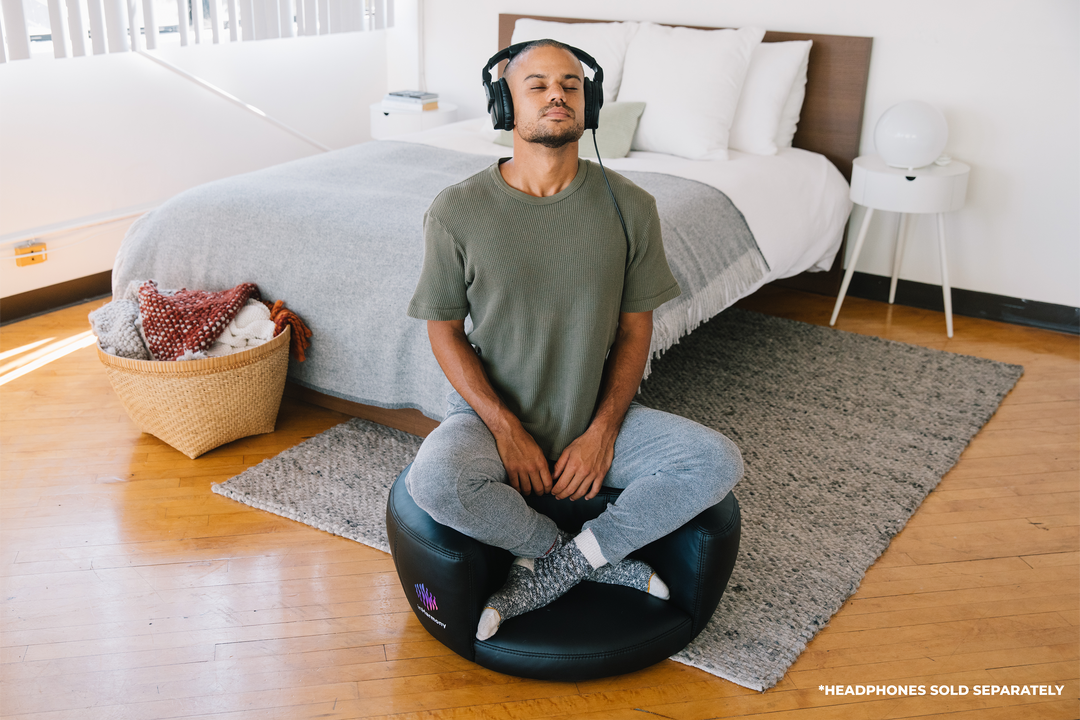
(551, 137)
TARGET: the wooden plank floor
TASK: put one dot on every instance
(131, 591)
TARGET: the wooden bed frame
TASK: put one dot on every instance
(830, 124)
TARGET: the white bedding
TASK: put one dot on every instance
(795, 202)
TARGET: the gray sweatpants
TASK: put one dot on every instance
(670, 469)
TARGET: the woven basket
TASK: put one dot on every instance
(197, 405)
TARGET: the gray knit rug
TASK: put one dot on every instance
(843, 436)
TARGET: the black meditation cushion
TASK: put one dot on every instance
(595, 630)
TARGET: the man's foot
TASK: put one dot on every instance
(533, 583)
(628, 573)
(633, 574)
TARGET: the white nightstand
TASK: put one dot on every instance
(384, 125)
(932, 189)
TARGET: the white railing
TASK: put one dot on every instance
(132, 25)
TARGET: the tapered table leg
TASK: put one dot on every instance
(851, 266)
(945, 289)
(898, 256)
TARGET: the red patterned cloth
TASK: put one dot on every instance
(189, 321)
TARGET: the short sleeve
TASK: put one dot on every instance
(441, 291)
(649, 282)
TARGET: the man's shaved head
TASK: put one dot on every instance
(546, 42)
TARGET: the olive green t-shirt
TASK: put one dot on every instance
(544, 280)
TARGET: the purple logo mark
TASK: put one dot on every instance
(426, 597)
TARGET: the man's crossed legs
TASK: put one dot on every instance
(670, 469)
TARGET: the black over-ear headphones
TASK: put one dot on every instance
(501, 105)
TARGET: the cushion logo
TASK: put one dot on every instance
(426, 597)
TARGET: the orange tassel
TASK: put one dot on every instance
(283, 317)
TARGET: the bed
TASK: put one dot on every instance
(338, 236)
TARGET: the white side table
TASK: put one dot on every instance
(932, 189)
(384, 125)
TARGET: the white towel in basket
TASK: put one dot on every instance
(251, 327)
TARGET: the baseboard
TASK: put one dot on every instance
(410, 421)
(54, 297)
(820, 283)
(969, 303)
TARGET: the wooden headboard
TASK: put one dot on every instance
(832, 114)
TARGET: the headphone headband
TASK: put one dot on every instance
(508, 53)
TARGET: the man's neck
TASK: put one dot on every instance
(540, 171)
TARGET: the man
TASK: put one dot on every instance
(561, 304)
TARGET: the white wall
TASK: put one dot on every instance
(1006, 75)
(402, 45)
(90, 136)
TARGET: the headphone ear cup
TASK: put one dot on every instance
(594, 100)
(493, 104)
(504, 104)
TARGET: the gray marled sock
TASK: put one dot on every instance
(532, 584)
(628, 573)
(633, 574)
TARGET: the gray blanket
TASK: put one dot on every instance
(338, 237)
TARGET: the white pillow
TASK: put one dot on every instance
(689, 81)
(770, 80)
(606, 42)
(789, 118)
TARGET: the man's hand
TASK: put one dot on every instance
(525, 463)
(582, 466)
(584, 463)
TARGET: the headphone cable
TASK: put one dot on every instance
(626, 234)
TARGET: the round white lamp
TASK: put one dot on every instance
(911, 134)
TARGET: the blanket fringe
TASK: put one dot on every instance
(684, 314)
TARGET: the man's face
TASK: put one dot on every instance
(549, 101)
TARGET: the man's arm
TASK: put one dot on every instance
(525, 463)
(582, 466)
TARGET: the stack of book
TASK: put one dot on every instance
(410, 101)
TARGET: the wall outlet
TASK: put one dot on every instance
(30, 247)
